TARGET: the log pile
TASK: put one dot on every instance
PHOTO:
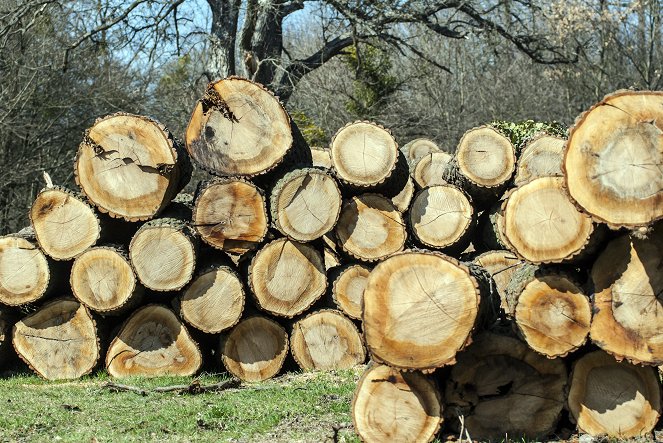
(492, 288)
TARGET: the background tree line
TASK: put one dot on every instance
(424, 68)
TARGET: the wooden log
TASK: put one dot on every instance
(627, 284)
(326, 340)
(491, 227)
(370, 227)
(239, 128)
(321, 157)
(502, 388)
(24, 271)
(130, 166)
(483, 165)
(214, 301)
(420, 308)
(541, 157)
(418, 148)
(255, 349)
(550, 309)
(103, 280)
(348, 289)
(231, 215)
(541, 224)
(404, 197)
(430, 169)
(163, 253)
(287, 277)
(394, 406)
(363, 154)
(59, 341)
(153, 342)
(613, 398)
(305, 204)
(501, 265)
(442, 217)
(612, 163)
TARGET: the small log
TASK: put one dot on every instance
(255, 349)
(287, 277)
(613, 398)
(541, 224)
(231, 215)
(394, 406)
(430, 169)
(153, 342)
(418, 148)
(404, 197)
(59, 341)
(326, 340)
(348, 289)
(612, 163)
(24, 271)
(321, 157)
(501, 387)
(103, 280)
(541, 157)
(370, 227)
(130, 166)
(501, 265)
(305, 204)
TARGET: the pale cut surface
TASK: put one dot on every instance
(24, 271)
(485, 157)
(348, 289)
(613, 398)
(255, 349)
(102, 279)
(326, 340)
(238, 128)
(628, 298)
(440, 216)
(542, 157)
(321, 157)
(429, 170)
(394, 406)
(287, 277)
(502, 387)
(541, 223)
(151, 343)
(370, 227)
(501, 265)
(419, 310)
(403, 199)
(614, 159)
(127, 167)
(214, 301)
(59, 341)
(418, 148)
(363, 153)
(305, 204)
(64, 225)
(231, 215)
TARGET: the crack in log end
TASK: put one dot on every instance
(96, 147)
(213, 100)
(165, 169)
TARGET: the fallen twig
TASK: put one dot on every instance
(193, 388)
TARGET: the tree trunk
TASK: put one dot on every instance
(59, 341)
(417, 149)
(103, 280)
(627, 283)
(326, 340)
(370, 227)
(25, 275)
(255, 349)
(287, 277)
(348, 289)
(153, 342)
(394, 406)
(613, 159)
(501, 265)
(541, 157)
(305, 204)
(130, 166)
(231, 215)
(612, 398)
(429, 170)
(501, 387)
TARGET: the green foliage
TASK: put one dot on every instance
(373, 82)
(520, 132)
(313, 134)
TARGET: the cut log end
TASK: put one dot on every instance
(429, 170)
(418, 148)
(501, 265)
(542, 157)
(403, 199)
(321, 157)
(348, 289)
(24, 271)
(485, 157)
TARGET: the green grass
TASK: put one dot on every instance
(299, 407)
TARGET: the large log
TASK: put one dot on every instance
(348, 289)
(502, 388)
(130, 166)
(612, 163)
(153, 342)
(59, 341)
(394, 406)
(541, 157)
(612, 398)
(24, 271)
(501, 265)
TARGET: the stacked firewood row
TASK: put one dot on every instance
(494, 288)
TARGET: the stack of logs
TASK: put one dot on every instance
(494, 288)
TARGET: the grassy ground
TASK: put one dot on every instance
(301, 407)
